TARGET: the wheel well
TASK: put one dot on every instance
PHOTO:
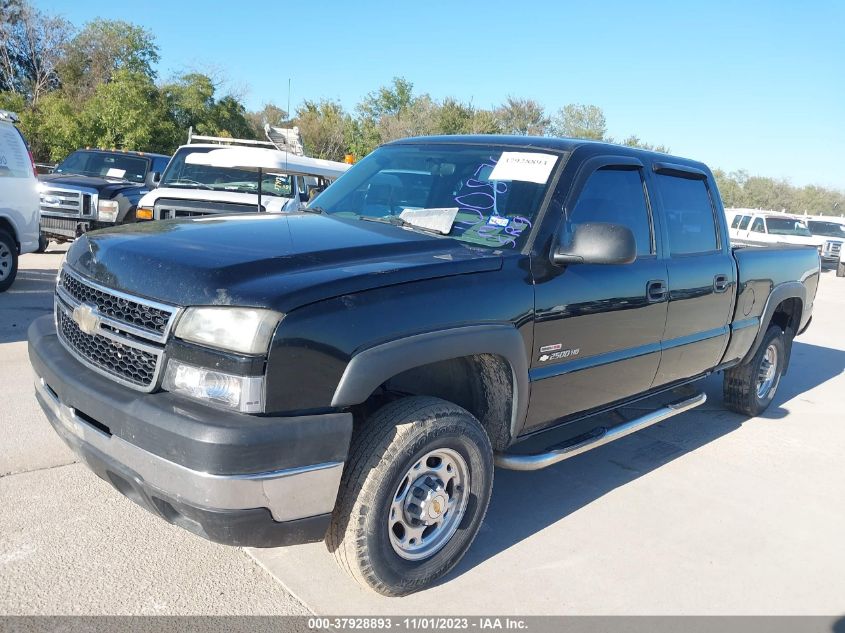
(482, 384)
(787, 315)
(6, 226)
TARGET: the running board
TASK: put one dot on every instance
(536, 461)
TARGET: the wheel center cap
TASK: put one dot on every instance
(427, 501)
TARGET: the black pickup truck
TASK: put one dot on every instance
(353, 372)
(95, 188)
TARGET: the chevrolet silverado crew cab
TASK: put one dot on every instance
(95, 188)
(352, 372)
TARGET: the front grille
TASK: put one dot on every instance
(66, 202)
(60, 226)
(170, 208)
(123, 361)
(116, 335)
(119, 308)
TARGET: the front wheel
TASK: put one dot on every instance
(414, 492)
(840, 270)
(750, 388)
(43, 243)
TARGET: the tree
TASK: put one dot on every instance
(191, 103)
(129, 113)
(270, 114)
(580, 121)
(454, 117)
(324, 127)
(634, 141)
(522, 116)
(101, 49)
(388, 100)
(31, 45)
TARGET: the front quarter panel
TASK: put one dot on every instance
(314, 344)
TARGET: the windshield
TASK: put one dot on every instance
(827, 229)
(787, 226)
(190, 176)
(493, 193)
(105, 165)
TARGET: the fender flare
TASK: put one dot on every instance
(371, 367)
(779, 294)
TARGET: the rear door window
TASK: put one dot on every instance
(758, 226)
(690, 215)
(744, 222)
(14, 156)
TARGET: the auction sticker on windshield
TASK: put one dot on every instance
(524, 166)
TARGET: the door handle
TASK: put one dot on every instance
(656, 291)
(720, 283)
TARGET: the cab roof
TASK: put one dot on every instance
(122, 151)
(549, 143)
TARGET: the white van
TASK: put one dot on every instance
(19, 199)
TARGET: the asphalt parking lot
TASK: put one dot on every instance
(706, 513)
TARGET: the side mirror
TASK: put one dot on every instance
(597, 243)
(303, 197)
(153, 178)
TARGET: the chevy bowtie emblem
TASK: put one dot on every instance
(86, 317)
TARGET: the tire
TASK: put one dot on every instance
(367, 537)
(840, 270)
(43, 244)
(8, 261)
(750, 388)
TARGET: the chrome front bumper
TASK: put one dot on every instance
(288, 494)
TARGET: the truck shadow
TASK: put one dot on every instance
(30, 297)
(525, 503)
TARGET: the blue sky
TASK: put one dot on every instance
(754, 85)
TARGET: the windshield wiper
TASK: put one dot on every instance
(188, 181)
(317, 210)
(395, 220)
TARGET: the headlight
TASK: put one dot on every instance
(241, 393)
(144, 213)
(107, 210)
(244, 330)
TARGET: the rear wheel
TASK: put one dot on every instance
(840, 270)
(413, 494)
(8, 260)
(750, 388)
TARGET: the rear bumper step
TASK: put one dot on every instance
(536, 461)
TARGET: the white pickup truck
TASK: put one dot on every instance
(833, 229)
(751, 227)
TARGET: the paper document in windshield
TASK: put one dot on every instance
(114, 172)
(439, 219)
(524, 166)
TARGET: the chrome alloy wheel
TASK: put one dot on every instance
(6, 261)
(429, 504)
(768, 374)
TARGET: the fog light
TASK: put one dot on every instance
(107, 210)
(241, 393)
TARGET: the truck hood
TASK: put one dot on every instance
(105, 187)
(270, 203)
(802, 240)
(273, 261)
